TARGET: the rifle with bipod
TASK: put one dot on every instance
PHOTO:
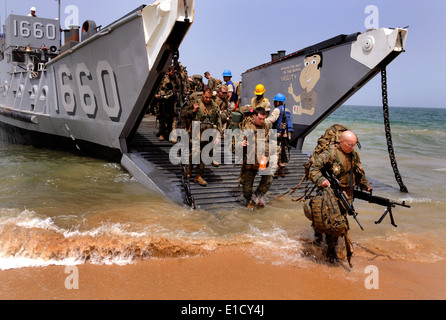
(366, 196)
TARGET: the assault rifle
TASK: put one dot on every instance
(342, 196)
(284, 141)
(380, 201)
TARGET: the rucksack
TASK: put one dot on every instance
(236, 93)
(197, 82)
(217, 82)
(323, 210)
(326, 214)
(331, 137)
(239, 116)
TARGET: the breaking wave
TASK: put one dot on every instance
(29, 240)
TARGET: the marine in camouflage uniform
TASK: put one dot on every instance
(343, 161)
(250, 170)
(212, 82)
(182, 84)
(208, 113)
(167, 97)
(221, 100)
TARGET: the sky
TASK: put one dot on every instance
(241, 34)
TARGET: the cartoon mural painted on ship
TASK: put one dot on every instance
(306, 101)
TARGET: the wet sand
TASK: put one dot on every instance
(228, 274)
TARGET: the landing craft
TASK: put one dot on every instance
(90, 94)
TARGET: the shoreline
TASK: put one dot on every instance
(228, 274)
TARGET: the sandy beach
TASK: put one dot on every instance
(228, 274)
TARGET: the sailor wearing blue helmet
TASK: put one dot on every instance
(227, 75)
(284, 126)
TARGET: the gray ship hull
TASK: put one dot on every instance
(91, 97)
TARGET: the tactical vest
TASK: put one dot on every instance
(207, 121)
(341, 168)
(262, 103)
(233, 93)
(247, 124)
(288, 125)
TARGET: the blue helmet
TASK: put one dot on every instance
(227, 73)
(279, 97)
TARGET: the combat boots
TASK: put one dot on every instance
(318, 238)
(282, 171)
(198, 179)
(250, 205)
(332, 242)
(261, 204)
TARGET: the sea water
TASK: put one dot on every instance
(58, 208)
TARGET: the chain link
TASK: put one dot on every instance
(398, 178)
(186, 184)
(180, 93)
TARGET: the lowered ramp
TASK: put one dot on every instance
(148, 161)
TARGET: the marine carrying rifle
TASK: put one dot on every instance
(284, 141)
(182, 97)
(342, 196)
(380, 201)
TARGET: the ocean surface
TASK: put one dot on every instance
(62, 209)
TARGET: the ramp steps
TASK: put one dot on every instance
(222, 190)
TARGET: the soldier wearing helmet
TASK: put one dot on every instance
(273, 116)
(259, 100)
(33, 12)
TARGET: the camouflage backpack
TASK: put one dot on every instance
(197, 84)
(217, 82)
(323, 210)
(331, 136)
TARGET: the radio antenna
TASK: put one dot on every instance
(60, 28)
(6, 12)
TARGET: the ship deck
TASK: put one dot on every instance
(222, 191)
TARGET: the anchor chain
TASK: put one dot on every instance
(186, 184)
(182, 100)
(398, 178)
